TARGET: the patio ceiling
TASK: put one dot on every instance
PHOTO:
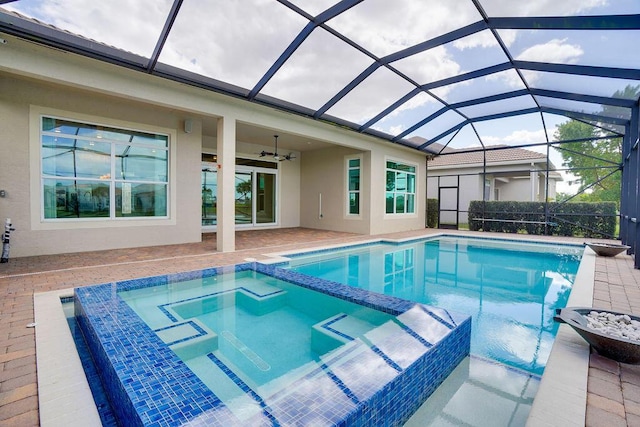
(433, 69)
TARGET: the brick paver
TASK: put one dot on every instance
(613, 389)
(617, 288)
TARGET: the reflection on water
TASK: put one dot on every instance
(510, 289)
(479, 393)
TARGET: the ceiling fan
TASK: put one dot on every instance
(275, 154)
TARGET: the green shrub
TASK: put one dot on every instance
(569, 219)
(432, 213)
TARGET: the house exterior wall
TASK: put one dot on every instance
(21, 104)
(469, 187)
(323, 199)
(518, 190)
(35, 79)
(380, 221)
(471, 184)
(323, 176)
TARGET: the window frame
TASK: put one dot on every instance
(415, 167)
(36, 197)
(347, 182)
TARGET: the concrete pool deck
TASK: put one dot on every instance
(613, 389)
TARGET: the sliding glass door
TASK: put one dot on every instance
(266, 198)
(244, 198)
(209, 195)
(255, 195)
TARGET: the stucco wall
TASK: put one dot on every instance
(324, 172)
(20, 102)
(323, 175)
(518, 190)
(380, 221)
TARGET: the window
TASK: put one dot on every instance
(401, 188)
(93, 171)
(353, 186)
(487, 189)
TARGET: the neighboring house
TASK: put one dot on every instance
(458, 176)
(97, 156)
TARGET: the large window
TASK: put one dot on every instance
(92, 171)
(401, 188)
(353, 186)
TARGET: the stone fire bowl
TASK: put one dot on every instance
(607, 249)
(618, 349)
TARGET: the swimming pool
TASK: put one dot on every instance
(200, 347)
(510, 288)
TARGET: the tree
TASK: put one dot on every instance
(594, 159)
(244, 189)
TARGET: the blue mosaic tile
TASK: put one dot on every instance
(148, 385)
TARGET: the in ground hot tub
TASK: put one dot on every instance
(254, 345)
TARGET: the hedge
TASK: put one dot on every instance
(432, 213)
(568, 219)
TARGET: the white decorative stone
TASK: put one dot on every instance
(615, 325)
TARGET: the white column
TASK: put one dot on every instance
(533, 177)
(226, 227)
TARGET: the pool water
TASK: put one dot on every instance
(510, 289)
(257, 345)
(266, 328)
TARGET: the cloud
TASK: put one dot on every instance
(516, 137)
(428, 66)
(384, 28)
(372, 96)
(553, 51)
(231, 43)
(485, 39)
(539, 7)
(320, 68)
(237, 41)
(129, 25)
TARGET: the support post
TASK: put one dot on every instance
(226, 193)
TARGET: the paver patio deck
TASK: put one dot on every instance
(613, 388)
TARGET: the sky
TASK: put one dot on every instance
(237, 41)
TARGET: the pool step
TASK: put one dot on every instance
(189, 339)
(337, 330)
(257, 300)
(261, 304)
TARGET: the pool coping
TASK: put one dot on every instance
(562, 394)
(64, 396)
(61, 369)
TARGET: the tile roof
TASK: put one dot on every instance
(494, 153)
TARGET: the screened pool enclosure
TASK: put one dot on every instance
(464, 74)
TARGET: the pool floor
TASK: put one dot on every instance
(479, 393)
